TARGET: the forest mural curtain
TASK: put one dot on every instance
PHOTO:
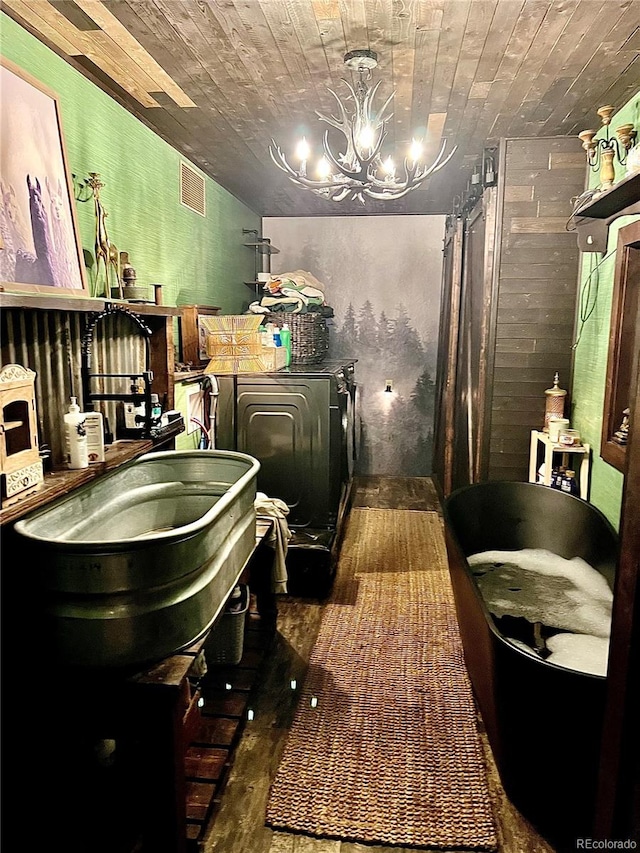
(382, 277)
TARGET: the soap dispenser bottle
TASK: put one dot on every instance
(76, 436)
(285, 339)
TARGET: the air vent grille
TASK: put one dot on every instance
(192, 188)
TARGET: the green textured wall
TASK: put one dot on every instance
(198, 260)
(590, 363)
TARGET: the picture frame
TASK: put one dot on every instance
(40, 248)
(193, 334)
(624, 341)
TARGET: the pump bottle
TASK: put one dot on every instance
(76, 436)
(285, 340)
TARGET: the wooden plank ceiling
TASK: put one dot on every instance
(218, 78)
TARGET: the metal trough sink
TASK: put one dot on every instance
(138, 564)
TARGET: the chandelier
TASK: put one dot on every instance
(360, 170)
(601, 152)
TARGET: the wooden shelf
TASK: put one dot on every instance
(581, 453)
(593, 219)
(82, 304)
(615, 201)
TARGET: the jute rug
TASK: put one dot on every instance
(384, 746)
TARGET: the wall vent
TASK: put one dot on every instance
(192, 189)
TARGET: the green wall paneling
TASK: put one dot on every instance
(590, 359)
(198, 260)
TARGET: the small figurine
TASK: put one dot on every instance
(621, 435)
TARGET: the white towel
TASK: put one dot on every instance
(279, 537)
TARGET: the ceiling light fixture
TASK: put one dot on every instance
(360, 170)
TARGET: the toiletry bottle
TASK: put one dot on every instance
(234, 604)
(557, 477)
(74, 425)
(134, 413)
(156, 410)
(94, 426)
(285, 338)
(569, 483)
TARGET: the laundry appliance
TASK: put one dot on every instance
(300, 423)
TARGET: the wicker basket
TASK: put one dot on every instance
(225, 644)
(309, 335)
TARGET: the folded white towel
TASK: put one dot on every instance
(278, 539)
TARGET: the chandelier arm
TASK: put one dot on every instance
(339, 124)
(382, 190)
(356, 175)
(378, 117)
(364, 174)
(280, 161)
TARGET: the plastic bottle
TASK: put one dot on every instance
(557, 477)
(76, 436)
(156, 410)
(94, 427)
(234, 604)
(285, 338)
(569, 483)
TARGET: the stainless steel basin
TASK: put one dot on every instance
(138, 564)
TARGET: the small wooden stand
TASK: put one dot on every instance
(581, 454)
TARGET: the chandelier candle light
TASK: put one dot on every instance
(361, 170)
(602, 151)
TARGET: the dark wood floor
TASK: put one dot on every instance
(238, 824)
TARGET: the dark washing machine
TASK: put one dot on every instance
(298, 422)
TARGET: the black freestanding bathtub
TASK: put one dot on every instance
(543, 721)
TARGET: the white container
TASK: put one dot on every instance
(556, 425)
(134, 416)
(94, 427)
(76, 436)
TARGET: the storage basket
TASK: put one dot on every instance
(225, 643)
(309, 335)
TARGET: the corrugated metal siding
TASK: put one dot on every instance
(50, 343)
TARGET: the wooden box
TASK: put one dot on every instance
(193, 334)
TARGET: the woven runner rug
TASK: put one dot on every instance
(384, 746)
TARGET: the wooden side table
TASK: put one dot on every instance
(578, 456)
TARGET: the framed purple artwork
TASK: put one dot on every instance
(40, 250)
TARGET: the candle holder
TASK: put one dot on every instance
(602, 151)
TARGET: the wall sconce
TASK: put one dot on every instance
(601, 152)
(387, 387)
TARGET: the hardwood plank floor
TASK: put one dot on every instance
(238, 824)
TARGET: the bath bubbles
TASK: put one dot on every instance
(559, 594)
(579, 651)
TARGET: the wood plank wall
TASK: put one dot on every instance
(536, 292)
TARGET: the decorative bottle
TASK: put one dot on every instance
(555, 402)
(569, 483)
(156, 410)
(285, 339)
(76, 436)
